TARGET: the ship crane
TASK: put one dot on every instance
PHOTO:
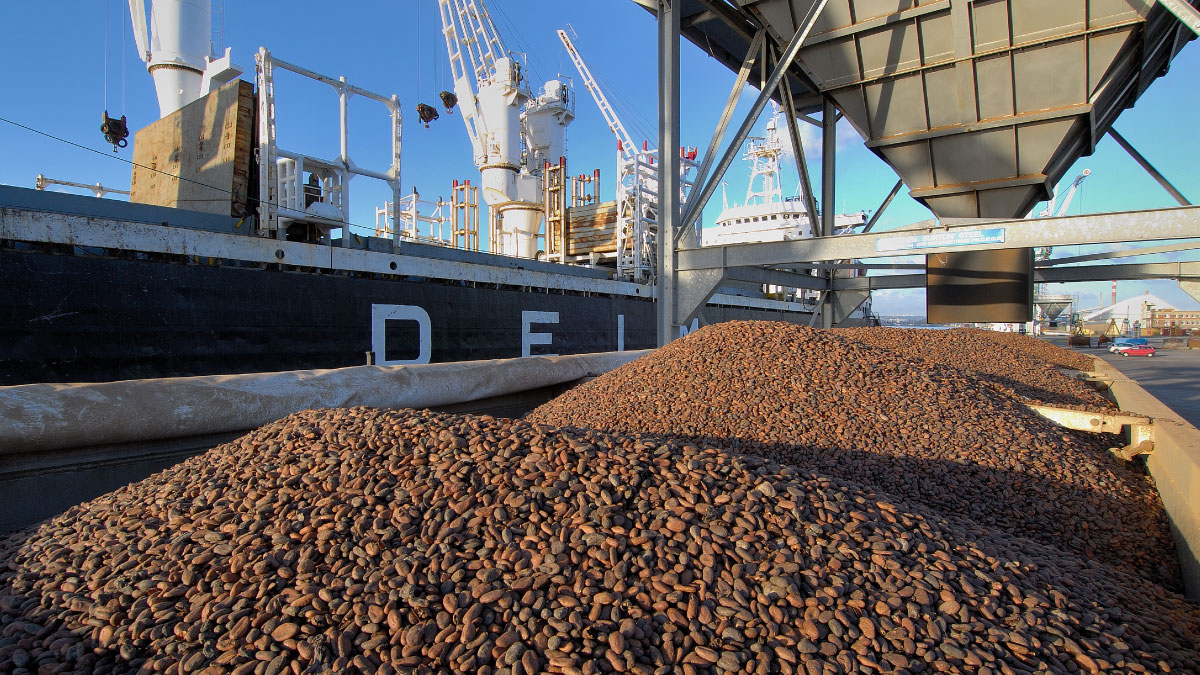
(513, 134)
(637, 184)
(177, 49)
(1044, 253)
(625, 145)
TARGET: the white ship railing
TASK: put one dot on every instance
(284, 194)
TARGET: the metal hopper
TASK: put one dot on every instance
(979, 105)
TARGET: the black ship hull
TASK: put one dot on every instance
(77, 318)
(96, 290)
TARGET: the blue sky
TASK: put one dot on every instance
(76, 68)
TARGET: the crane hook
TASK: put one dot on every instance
(427, 113)
(115, 131)
(449, 100)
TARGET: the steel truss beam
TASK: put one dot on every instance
(735, 93)
(865, 266)
(683, 293)
(1125, 253)
(1189, 15)
(1145, 164)
(762, 275)
(883, 207)
(705, 191)
(789, 104)
(1146, 225)
(1126, 272)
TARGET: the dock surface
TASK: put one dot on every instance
(1171, 375)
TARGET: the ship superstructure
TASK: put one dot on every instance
(766, 215)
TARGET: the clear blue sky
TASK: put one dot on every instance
(60, 58)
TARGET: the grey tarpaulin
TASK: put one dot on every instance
(36, 417)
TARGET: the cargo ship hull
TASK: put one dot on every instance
(100, 291)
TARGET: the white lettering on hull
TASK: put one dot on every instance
(685, 329)
(381, 314)
(529, 339)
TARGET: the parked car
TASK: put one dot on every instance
(1126, 341)
(1137, 350)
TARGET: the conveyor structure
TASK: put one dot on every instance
(980, 106)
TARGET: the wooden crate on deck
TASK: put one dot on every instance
(208, 142)
(592, 229)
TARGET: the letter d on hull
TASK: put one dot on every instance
(381, 314)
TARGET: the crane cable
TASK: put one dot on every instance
(418, 3)
(107, 7)
(425, 112)
(123, 68)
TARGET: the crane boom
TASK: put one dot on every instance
(1071, 192)
(1049, 211)
(459, 31)
(627, 148)
(481, 37)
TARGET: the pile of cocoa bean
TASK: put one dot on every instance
(368, 541)
(1017, 364)
(919, 430)
(1040, 349)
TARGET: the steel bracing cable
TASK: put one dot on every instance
(122, 159)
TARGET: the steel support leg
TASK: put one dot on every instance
(668, 183)
(1137, 156)
(828, 199)
(701, 194)
(828, 170)
(810, 204)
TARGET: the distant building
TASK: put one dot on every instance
(1176, 318)
(1138, 308)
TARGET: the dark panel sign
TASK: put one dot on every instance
(979, 286)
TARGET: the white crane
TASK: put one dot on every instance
(177, 49)
(625, 145)
(512, 133)
(637, 185)
(1046, 212)
(1044, 253)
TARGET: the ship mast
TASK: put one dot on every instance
(763, 155)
